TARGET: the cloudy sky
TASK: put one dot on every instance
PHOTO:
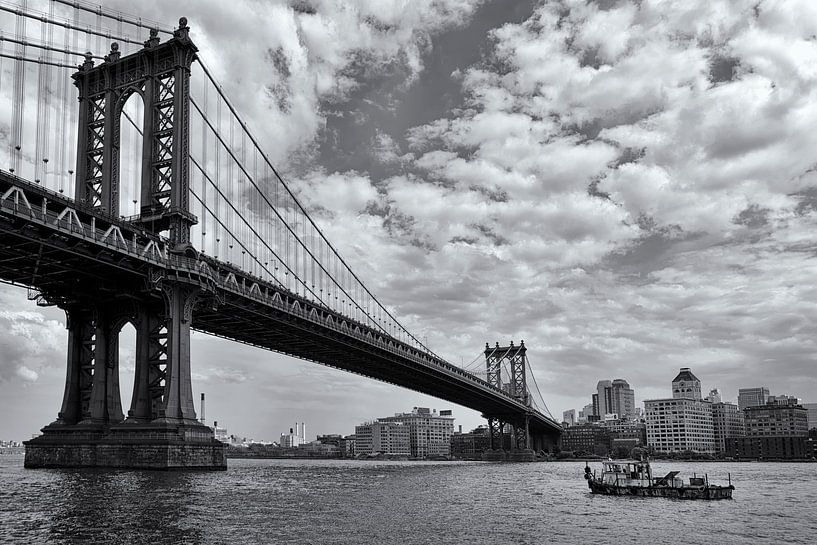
(629, 186)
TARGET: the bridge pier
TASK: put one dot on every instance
(161, 431)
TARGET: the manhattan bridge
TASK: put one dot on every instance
(131, 191)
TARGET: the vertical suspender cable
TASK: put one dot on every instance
(62, 133)
(47, 123)
(204, 227)
(18, 96)
(39, 144)
(73, 105)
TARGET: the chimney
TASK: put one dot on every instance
(303, 431)
(202, 407)
(297, 433)
(460, 428)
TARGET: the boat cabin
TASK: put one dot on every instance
(626, 473)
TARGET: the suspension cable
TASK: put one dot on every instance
(110, 14)
(46, 20)
(47, 47)
(36, 61)
(537, 389)
(289, 228)
(295, 200)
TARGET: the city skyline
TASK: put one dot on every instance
(628, 202)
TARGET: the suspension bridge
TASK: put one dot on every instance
(131, 191)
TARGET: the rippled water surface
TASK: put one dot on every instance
(330, 501)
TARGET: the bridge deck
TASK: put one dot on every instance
(50, 245)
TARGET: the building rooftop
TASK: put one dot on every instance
(686, 375)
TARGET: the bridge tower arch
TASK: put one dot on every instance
(512, 359)
(160, 73)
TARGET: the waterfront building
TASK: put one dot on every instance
(471, 445)
(430, 432)
(727, 421)
(776, 420)
(383, 438)
(569, 417)
(811, 414)
(680, 424)
(686, 385)
(752, 397)
(771, 448)
(625, 434)
(586, 438)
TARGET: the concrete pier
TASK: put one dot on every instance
(126, 446)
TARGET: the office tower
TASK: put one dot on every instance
(604, 391)
(623, 399)
(752, 397)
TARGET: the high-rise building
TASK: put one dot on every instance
(776, 420)
(604, 391)
(596, 409)
(752, 397)
(686, 385)
(811, 409)
(585, 414)
(569, 417)
(430, 432)
(683, 422)
(680, 424)
(622, 399)
(383, 437)
(727, 421)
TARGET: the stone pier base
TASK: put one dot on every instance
(526, 455)
(127, 446)
(494, 455)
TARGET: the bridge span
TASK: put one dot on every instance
(292, 292)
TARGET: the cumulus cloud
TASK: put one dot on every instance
(652, 163)
(29, 343)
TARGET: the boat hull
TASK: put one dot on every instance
(680, 492)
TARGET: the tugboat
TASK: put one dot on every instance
(636, 479)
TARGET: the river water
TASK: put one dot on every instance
(405, 503)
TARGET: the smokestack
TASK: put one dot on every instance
(296, 430)
(460, 428)
(202, 407)
(303, 431)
